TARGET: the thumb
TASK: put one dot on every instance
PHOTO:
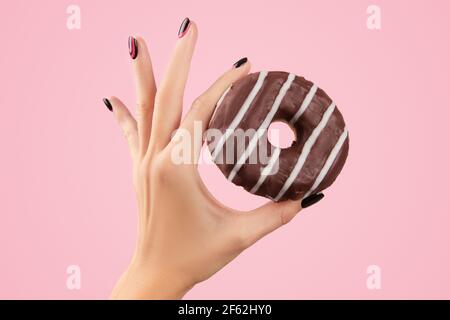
(259, 222)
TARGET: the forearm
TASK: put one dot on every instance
(140, 282)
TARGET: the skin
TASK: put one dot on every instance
(184, 234)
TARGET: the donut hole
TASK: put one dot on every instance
(281, 134)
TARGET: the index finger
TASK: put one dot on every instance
(203, 107)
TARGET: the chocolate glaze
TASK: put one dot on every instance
(249, 173)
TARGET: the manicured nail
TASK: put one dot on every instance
(107, 104)
(184, 27)
(240, 62)
(309, 201)
(132, 47)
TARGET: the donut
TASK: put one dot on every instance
(240, 146)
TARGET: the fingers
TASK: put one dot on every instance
(255, 224)
(145, 90)
(126, 122)
(169, 99)
(203, 107)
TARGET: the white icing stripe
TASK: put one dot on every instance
(237, 119)
(333, 154)
(218, 104)
(262, 129)
(223, 96)
(306, 150)
(267, 170)
(306, 102)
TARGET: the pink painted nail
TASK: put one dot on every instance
(132, 47)
(184, 27)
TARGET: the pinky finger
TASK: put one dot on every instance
(126, 122)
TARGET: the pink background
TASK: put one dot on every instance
(65, 179)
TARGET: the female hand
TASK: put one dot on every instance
(184, 234)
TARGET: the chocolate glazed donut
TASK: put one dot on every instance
(309, 165)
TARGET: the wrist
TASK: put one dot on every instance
(141, 281)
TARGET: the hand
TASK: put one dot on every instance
(184, 234)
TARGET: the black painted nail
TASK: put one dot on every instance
(240, 62)
(107, 104)
(184, 27)
(309, 201)
(132, 47)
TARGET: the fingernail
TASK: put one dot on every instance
(309, 201)
(184, 27)
(240, 62)
(132, 47)
(107, 104)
